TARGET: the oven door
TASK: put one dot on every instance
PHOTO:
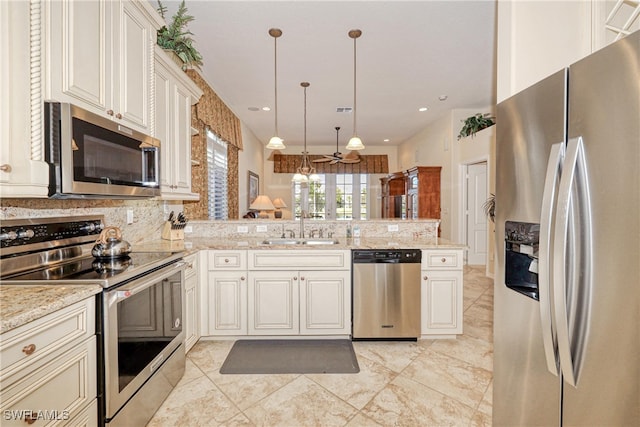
(143, 327)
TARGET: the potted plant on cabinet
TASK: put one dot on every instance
(176, 38)
(476, 123)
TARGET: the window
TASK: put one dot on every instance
(217, 177)
(335, 196)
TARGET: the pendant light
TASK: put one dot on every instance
(355, 143)
(275, 143)
(305, 172)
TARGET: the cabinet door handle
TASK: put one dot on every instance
(301, 277)
(118, 116)
(426, 277)
(5, 168)
(110, 112)
(295, 278)
(241, 277)
(29, 349)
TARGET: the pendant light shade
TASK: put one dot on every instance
(305, 172)
(355, 143)
(275, 143)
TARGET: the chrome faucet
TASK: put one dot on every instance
(302, 215)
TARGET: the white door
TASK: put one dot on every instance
(476, 219)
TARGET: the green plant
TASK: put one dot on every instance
(476, 123)
(177, 38)
(489, 207)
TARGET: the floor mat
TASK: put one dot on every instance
(291, 357)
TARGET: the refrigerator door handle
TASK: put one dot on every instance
(545, 280)
(572, 262)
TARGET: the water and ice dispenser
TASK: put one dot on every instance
(521, 257)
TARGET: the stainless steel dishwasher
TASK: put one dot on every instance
(386, 293)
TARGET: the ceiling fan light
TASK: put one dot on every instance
(355, 143)
(314, 177)
(275, 143)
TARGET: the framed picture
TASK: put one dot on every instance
(253, 187)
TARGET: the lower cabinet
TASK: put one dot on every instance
(441, 290)
(227, 303)
(278, 292)
(299, 302)
(192, 298)
(49, 369)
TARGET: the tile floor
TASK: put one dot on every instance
(424, 383)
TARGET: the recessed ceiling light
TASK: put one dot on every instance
(386, 140)
(422, 109)
(266, 108)
(443, 97)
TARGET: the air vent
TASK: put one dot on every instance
(346, 110)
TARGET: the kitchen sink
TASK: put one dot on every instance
(300, 242)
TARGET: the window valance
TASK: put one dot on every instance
(373, 163)
(213, 112)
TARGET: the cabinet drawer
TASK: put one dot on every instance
(227, 260)
(30, 343)
(192, 266)
(56, 391)
(299, 259)
(442, 259)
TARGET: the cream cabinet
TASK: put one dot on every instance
(100, 57)
(23, 171)
(441, 289)
(225, 312)
(49, 369)
(304, 292)
(192, 301)
(175, 93)
(278, 293)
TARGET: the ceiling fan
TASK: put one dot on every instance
(337, 157)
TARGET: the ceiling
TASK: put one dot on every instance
(410, 53)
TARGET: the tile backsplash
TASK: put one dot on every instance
(148, 215)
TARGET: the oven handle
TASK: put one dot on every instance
(134, 287)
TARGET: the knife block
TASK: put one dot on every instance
(169, 233)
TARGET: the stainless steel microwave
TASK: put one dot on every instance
(91, 156)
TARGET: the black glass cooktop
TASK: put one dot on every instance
(90, 270)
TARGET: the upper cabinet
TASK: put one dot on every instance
(175, 93)
(100, 57)
(23, 171)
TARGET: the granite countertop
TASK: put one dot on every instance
(21, 304)
(195, 244)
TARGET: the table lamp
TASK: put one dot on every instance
(278, 203)
(262, 203)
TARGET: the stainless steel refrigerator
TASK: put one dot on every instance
(567, 284)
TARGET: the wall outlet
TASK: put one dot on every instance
(129, 216)
(243, 229)
(392, 227)
(261, 228)
(188, 229)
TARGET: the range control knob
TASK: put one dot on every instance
(25, 234)
(9, 235)
(88, 227)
